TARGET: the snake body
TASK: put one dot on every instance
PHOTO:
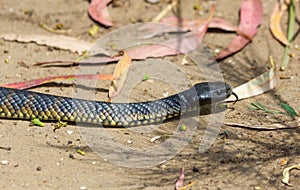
(23, 104)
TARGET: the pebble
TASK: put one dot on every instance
(82, 187)
(72, 156)
(166, 94)
(39, 168)
(70, 132)
(4, 162)
(55, 136)
(152, 1)
(217, 50)
(129, 141)
(195, 169)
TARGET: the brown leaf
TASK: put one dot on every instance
(275, 22)
(57, 41)
(275, 126)
(120, 75)
(286, 174)
(256, 86)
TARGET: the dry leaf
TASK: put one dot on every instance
(256, 86)
(250, 18)
(57, 41)
(275, 22)
(199, 26)
(286, 174)
(177, 45)
(222, 24)
(99, 12)
(179, 182)
(120, 75)
(275, 126)
(38, 82)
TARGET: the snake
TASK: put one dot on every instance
(28, 105)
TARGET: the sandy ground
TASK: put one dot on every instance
(40, 158)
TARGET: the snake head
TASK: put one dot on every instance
(211, 92)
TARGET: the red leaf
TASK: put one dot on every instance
(251, 17)
(179, 182)
(173, 46)
(99, 12)
(37, 82)
(222, 24)
(199, 26)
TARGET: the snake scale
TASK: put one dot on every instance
(23, 104)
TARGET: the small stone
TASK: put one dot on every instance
(217, 51)
(166, 94)
(72, 156)
(129, 141)
(39, 168)
(152, 1)
(55, 136)
(70, 132)
(4, 162)
(82, 187)
(195, 169)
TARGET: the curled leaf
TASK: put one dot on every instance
(222, 24)
(275, 22)
(179, 182)
(286, 174)
(99, 12)
(120, 74)
(250, 18)
(256, 86)
(165, 48)
(199, 26)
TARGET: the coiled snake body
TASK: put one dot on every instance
(22, 104)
